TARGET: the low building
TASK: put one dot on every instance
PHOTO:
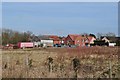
(56, 39)
(112, 44)
(47, 42)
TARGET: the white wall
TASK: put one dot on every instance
(92, 40)
(112, 44)
(46, 41)
(36, 43)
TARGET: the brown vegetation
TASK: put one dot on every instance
(95, 62)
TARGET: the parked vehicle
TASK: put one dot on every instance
(57, 45)
(25, 45)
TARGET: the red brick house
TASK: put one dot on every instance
(78, 40)
(71, 39)
(56, 39)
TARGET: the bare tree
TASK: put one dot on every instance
(99, 35)
(105, 34)
(110, 34)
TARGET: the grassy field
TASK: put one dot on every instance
(95, 62)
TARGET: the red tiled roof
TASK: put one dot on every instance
(80, 37)
(54, 37)
(73, 36)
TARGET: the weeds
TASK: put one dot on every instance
(61, 63)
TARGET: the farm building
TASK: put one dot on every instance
(41, 40)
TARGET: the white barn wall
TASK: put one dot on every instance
(47, 42)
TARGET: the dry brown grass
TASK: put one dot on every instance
(94, 61)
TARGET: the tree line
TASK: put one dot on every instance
(10, 36)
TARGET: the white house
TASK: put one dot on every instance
(110, 40)
(106, 40)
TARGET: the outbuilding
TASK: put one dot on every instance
(47, 42)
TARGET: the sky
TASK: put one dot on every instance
(119, 19)
(60, 0)
(61, 18)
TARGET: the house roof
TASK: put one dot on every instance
(111, 39)
(63, 38)
(54, 37)
(80, 37)
(74, 36)
(35, 38)
(41, 37)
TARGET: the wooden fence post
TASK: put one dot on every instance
(50, 64)
(76, 66)
(8, 62)
(30, 63)
(26, 60)
(26, 64)
(110, 69)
